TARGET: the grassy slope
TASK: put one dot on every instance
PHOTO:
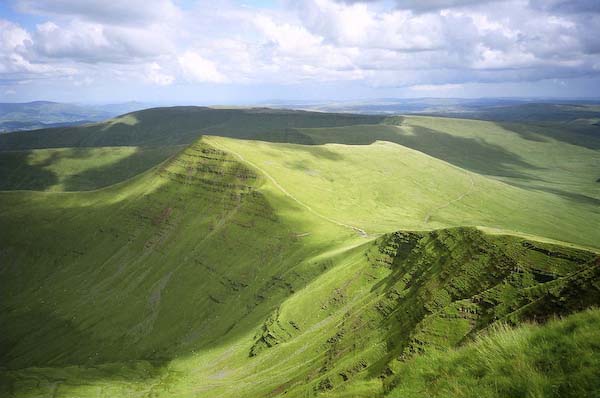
(341, 331)
(557, 360)
(384, 187)
(147, 137)
(201, 277)
(192, 224)
(553, 157)
(218, 270)
(182, 125)
(533, 159)
(516, 153)
(77, 169)
(554, 360)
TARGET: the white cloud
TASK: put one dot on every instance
(429, 5)
(94, 42)
(406, 43)
(130, 12)
(155, 75)
(436, 87)
(288, 38)
(12, 36)
(13, 55)
(86, 81)
(198, 69)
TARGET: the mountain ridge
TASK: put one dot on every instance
(203, 275)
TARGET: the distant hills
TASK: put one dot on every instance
(43, 114)
(497, 109)
(183, 125)
(583, 112)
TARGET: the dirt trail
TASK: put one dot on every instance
(360, 231)
(457, 199)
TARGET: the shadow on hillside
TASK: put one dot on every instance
(468, 153)
(318, 152)
(103, 176)
(524, 131)
(21, 331)
(571, 196)
(183, 125)
(20, 350)
(18, 173)
(78, 153)
(242, 266)
(579, 134)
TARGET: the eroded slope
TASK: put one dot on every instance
(202, 277)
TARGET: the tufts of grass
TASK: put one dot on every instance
(558, 359)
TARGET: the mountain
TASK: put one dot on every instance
(500, 109)
(182, 125)
(271, 253)
(46, 114)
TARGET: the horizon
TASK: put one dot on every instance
(295, 101)
(257, 51)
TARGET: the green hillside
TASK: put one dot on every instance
(85, 157)
(182, 125)
(554, 158)
(520, 154)
(385, 187)
(379, 260)
(556, 360)
(77, 169)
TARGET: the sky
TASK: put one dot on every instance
(250, 51)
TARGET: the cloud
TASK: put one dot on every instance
(567, 6)
(435, 87)
(288, 38)
(14, 41)
(385, 44)
(155, 75)
(130, 12)
(91, 42)
(200, 70)
(428, 5)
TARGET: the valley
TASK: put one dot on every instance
(185, 252)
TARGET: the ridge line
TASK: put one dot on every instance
(360, 231)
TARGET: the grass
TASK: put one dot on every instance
(239, 268)
(556, 360)
(332, 336)
(520, 154)
(140, 237)
(385, 187)
(77, 169)
(182, 125)
(539, 161)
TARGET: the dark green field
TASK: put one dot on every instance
(199, 252)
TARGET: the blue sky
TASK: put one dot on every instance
(240, 52)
